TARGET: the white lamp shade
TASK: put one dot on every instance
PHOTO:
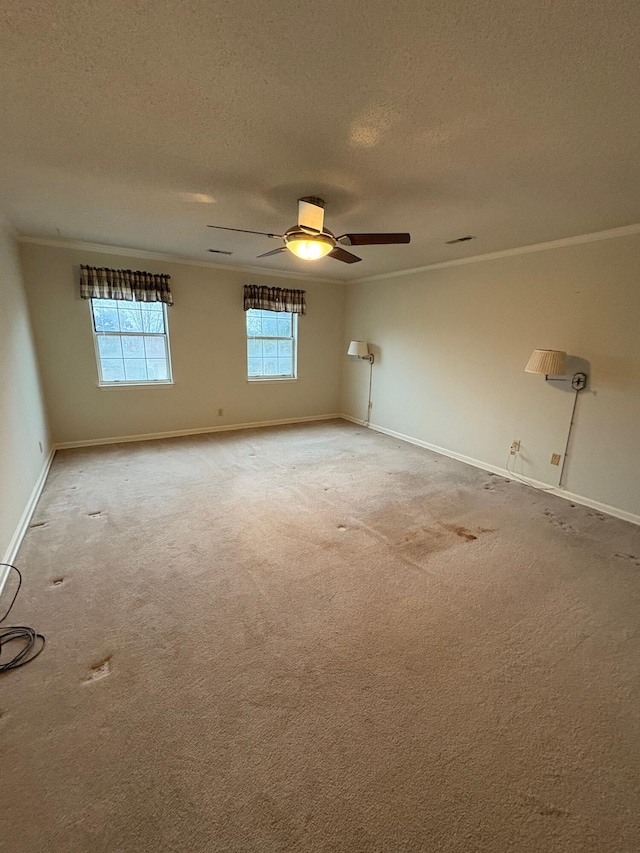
(360, 348)
(551, 362)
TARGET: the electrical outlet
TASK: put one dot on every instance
(515, 447)
(220, 412)
(555, 458)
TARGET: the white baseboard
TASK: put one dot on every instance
(25, 519)
(151, 436)
(358, 421)
(502, 472)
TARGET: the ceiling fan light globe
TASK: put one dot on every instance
(309, 247)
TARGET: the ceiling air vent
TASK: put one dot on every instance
(219, 252)
(460, 240)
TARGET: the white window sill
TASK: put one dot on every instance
(262, 379)
(136, 385)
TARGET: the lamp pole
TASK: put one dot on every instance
(578, 382)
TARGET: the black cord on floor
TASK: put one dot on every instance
(28, 636)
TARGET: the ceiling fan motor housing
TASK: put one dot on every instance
(313, 199)
(311, 214)
(298, 233)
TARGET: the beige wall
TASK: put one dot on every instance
(208, 349)
(22, 423)
(450, 345)
(451, 348)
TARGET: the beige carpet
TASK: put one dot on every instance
(317, 638)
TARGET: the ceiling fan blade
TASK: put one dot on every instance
(342, 255)
(273, 252)
(311, 214)
(244, 231)
(374, 239)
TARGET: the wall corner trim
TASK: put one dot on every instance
(502, 472)
(25, 518)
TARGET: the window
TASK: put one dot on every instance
(132, 342)
(271, 344)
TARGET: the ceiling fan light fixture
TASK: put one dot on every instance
(309, 247)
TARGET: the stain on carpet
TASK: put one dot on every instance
(558, 522)
(496, 482)
(438, 537)
(460, 531)
(553, 811)
(629, 558)
(544, 809)
(99, 671)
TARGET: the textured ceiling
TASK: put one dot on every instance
(137, 123)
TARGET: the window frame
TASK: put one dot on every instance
(293, 377)
(131, 383)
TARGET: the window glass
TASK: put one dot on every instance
(271, 344)
(132, 342)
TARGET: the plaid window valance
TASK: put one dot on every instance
(274, 299)
(103, 283)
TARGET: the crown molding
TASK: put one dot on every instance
(624, 231)
(61, 243)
